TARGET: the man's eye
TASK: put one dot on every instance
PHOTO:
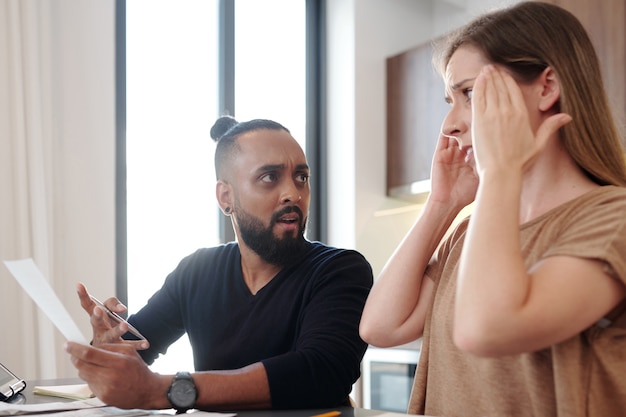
(302, 178)
(270, 177)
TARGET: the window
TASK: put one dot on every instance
(171, 78)
(171, 89)
(270, 63)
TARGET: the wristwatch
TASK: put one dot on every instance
(182, 393)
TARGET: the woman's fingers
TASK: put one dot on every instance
(550, 126)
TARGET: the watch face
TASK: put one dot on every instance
(183, 393)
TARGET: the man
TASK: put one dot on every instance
(272, 318)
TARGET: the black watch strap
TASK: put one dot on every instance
(182, 393)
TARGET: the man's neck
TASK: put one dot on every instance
(257, 273)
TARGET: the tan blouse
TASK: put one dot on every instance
(582, 376)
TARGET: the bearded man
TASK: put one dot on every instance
(272, 318)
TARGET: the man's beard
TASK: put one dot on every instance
(272, 249)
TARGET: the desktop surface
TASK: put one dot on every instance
(27, 397)
(345, 412)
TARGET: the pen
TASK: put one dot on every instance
(117, 317)
(329, 414)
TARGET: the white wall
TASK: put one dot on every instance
(362, 35)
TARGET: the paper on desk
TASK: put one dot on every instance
(99, 412)
(86, 408)
(72, 409)
(9, 409)
(38, 288)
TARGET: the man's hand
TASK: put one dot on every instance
(106, 330)
(118, 376)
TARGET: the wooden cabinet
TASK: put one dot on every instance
(605, 22)
(415, 109)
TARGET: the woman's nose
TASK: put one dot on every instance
(453, 125)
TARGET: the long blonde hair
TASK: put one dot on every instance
(530, 36)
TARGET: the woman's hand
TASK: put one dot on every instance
(453, 180)
(503, 136)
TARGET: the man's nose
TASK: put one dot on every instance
(291, 194)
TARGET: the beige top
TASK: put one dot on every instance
(582, 376)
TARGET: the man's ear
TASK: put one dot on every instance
(224, 194)
(550, 89)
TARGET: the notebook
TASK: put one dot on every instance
(73, 392)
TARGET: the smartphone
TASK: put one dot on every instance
(117, 318)
(10, 384)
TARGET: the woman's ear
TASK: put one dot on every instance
(550, 89)
(223, 192)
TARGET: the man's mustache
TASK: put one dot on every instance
(287, 210)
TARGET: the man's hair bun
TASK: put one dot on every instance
(221, 126)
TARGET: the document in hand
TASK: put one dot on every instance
(38, 288)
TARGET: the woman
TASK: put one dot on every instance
(521, 308)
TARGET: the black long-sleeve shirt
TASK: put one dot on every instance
(303, 325)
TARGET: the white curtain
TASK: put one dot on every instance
(57, 150)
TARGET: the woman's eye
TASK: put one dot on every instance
(468, 92)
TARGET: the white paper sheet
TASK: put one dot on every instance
(38, 288)
(88, 408)
(9, 409)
